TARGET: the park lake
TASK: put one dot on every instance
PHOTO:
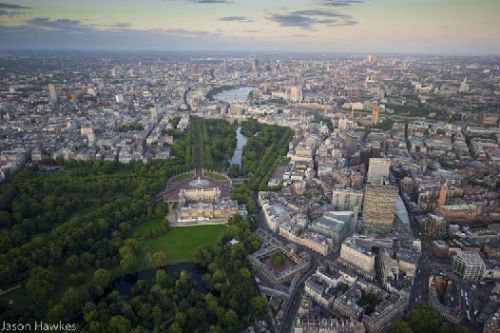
(124, 284)
(237, 95)
(238, 151)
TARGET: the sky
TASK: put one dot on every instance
(462, 27)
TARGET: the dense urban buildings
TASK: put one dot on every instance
(370, 183)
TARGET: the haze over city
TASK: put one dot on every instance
(462, 27)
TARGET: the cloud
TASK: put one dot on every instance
(185, 33)
(308, 18)
(57, 24)
(211, 1)
(242, 19)
(348, 22)
(69, 26)
(293, 20)
(202, 1)
(13, 7)
(121, 25)
(63, 33)
(319, 12)
(341, 3)
(7, 9)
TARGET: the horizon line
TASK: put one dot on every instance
(264, 52)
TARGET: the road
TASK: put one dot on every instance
(197, 148)
(188, 107)
(197, 143)
(317, 259)
(294, 303)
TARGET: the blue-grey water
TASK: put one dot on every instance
(238, 151)
(238, 95)
(125, 283)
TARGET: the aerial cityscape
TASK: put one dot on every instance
(225, 170)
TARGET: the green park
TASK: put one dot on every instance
(68, 229)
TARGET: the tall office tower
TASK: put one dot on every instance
(325, 111)
(378, 170)
(370, 58)
(379, 206)
(52, 91)
(344, 124)
(295, 94)
(196, 69)
(255, 65)
(464, 86)
(88, 131)
(351, 142)
(154, 113)
(375, 115)
(443, 195)
(433, 226)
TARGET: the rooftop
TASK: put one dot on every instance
(335, 220)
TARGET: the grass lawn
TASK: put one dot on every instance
(180, 178)
(180, 243)
(215, 176)
(143, 229)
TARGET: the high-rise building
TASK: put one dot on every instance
(351, 142)
(196, 69)
(88, 131)
(443, 195)
(295, 94)
(433, 226)
(375, 115)
(468, 265)
(52, 91)
(370, 58)
(255, 65)
(154, 113)
(464, 86)
(378, 170)
(379, 207)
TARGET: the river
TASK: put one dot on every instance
(238, 95)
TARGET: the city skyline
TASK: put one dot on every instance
(360, 26)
